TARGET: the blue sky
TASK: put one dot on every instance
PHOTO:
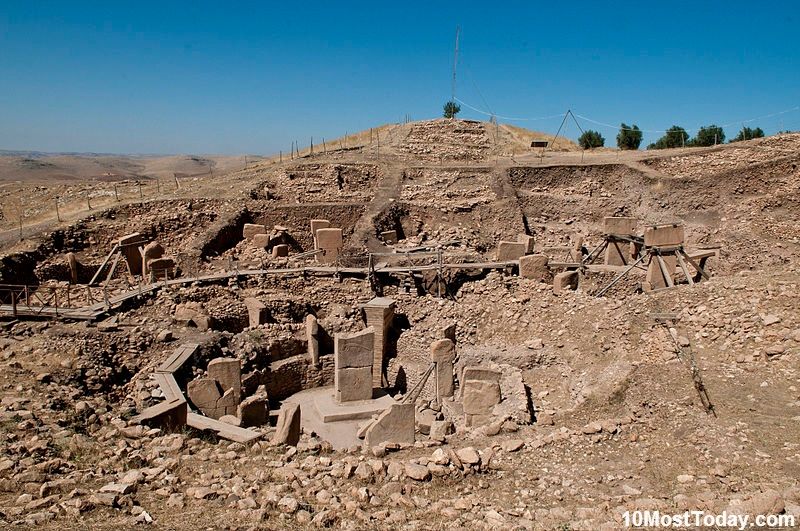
(239, 77)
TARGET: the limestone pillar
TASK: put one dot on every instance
(443, 354)
(312, 335)
(380, 313)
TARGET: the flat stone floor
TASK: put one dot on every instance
(343, 420)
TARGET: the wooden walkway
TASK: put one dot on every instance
(174, 410)
(93, 311)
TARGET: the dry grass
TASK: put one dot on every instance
(519, 139)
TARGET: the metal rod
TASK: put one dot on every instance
(619, 277)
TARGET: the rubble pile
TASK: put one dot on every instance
(450, 140)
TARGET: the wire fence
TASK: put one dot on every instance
(31, 205)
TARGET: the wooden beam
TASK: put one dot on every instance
(665, 271)
(694, 264)
(103, 265)
(684, 268)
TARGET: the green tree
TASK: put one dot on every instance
(591, 139)
(746, 134)
(629, 137)
(675, 136)
(451, 108)
(708, 135)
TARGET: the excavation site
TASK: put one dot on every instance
(426, 325)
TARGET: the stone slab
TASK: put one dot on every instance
(389, 236)
(228, 372)
(618, 253)
(332, 411)
(353, 384)
(510, 251)
(655, 277)
(528, 240)
(312, 337)
(380, 302)
(280, 251)
(443, 350)
(149, 252)
(204, 393)
(566, 280)
(534, 266)
(480, 373)
(253, 411)
(443, 354)
(251, 229)
(393, 425)
(168, 415)
(161, 267)
(129, 247)
(226, 431)
(260, 241)
(317, 224)
(664, 236)
(354, 350)
(480, 396)
(620, 225)
(330, 241)
(256, 311)
(287, 431)
(72, 263)
(329, 238)
(449, 332)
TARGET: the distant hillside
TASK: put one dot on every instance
(33, 166)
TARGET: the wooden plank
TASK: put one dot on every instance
(113, 268)
(697, 267)
(178, 358)
(563, 265)
(167, 414)
(168, 386)
(103, 265)
(50, 311)
(226, 431)
(701, 254)
(92, 311)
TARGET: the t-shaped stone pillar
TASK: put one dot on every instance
(380, 313)
(256, 311)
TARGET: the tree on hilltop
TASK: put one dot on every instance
(675, 136)
(708, 135)
(591, 139)
(451, 108)
(747, 134)
(629, 137)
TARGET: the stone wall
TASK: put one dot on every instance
(291, 375)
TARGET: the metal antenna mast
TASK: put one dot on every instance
(455, 63)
